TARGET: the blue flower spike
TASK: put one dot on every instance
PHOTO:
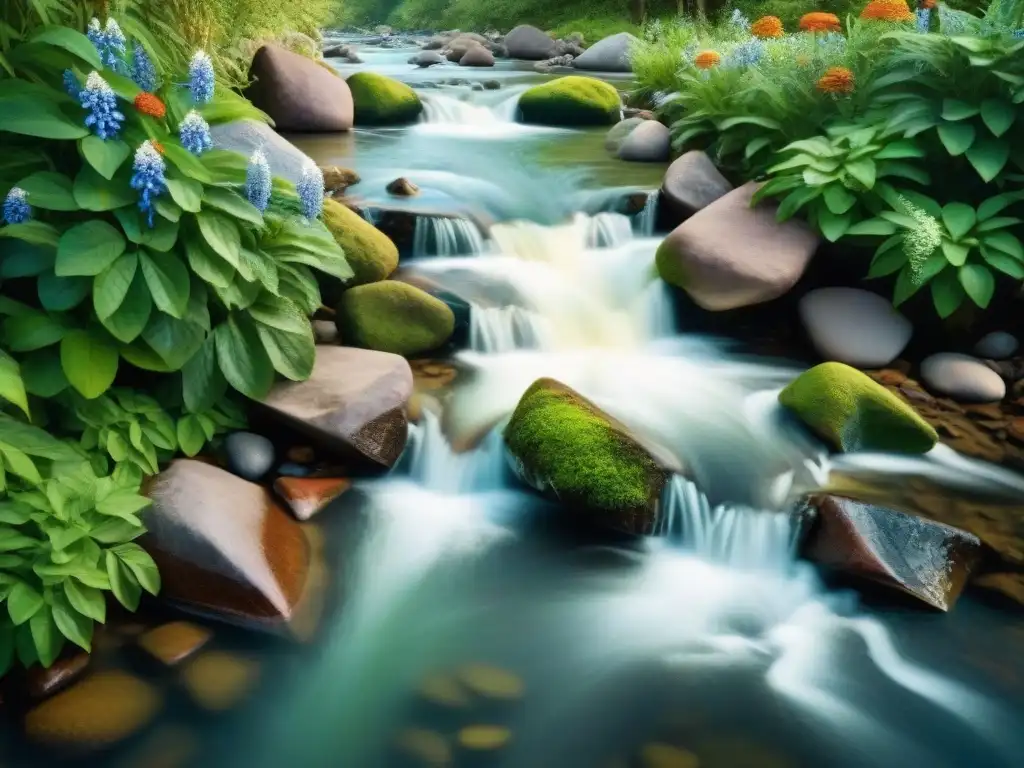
(148, 177)
(99, 99)
(257, 181)
(143, 71)
(201, 78)
(194, 133)
(16, 207)
(311, 190)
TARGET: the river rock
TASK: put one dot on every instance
(647, 143)
(218, 680)
(997, 345)
(691, 184)
(306, 496)
(224, 548)
(851, 412)
(338, 179)
(244, 136)
(353, 403)
(962, 377)
(174, 642)
(477, 56)
(492, 85)
(608, 55)
(369, 252)
(395, 317)
(925, 559)
(854, 326)
(619, 132)
(297, 93)
(461, 45)
(556, 438)
(381, 100)
(571, 101)
(425, 59)
(249, 456)
(325, 332)
(530, 43)
(342, 52)
(402, 187)
(40, 682)
(549, 65)
(731, 255)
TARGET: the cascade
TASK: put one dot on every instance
(644, 223)
(446, 236)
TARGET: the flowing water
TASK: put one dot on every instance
(712, 636)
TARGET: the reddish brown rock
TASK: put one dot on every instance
(927, 560)
(353, 403)
(174, 642)
(41, 683)
(224, 547)
(306, 496)
(297, 93)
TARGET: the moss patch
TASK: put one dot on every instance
(853, 413)
(571, 100)
(369, 252)
(380, 100)
(669, 265)
(565, 443)
(394, 317)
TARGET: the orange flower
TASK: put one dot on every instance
(707, 59)
(887, 10)
(767, 26)
(836, 80)
(148, 104)
(157, 146)
(820, 22)
(926, 5)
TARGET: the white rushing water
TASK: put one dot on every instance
(446, 236)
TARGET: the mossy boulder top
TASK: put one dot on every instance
(564, 445)
(380, 100)
(396, 317)
(370, 253)
(853, 413)
(571, 100)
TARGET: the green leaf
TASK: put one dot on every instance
(998, 115)
(292, 354)
(221, 235)
(111, 286)
(1005, 264)
(123, 583)
(796, 200)
(175, 341)
(73, 625)
(49, 191)
(875, 227)
(88, 249)
(31, 330)
(954, 110)
(957, 138)
(70, 40)
(23, 602)
(955, 254)
(906, 286)
(89, 360)
(989, 156)
(20, 464)
(995, 205)
(168, 209)
(978, 283)
(105, 156)
(232, 204)
(59, 294)
(88, 601)
(186, 193)
(131, 317)
(947, 294)
(21, 259)
(141, 565)
(763, 122)
(839, 199)
(1005, 242)
(42, 118)
(12, 386)
(833, 226)
(191, 437)
(959, 219)
(864, 171)
(899, 150)
(34, 232)
(168, 281)
(187, 163)
(209, 266)
(47, 640)
(242, 358)
(202, 384)
(95, 193)
(122, 503)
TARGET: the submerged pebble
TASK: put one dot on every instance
(667, 756)
(484, 737)
(491, 682)
(429, 746)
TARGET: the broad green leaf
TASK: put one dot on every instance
(12, 385)
(130, 318)
(70, 40)
(839, 199)
(111, 286)
(221, 234)
(989, 157)
(123, 583)
(292, 354)
(47, 640)
(947, 294)
(73, 625)
(995, 205)
(188, 194)
(105, 156)
(141, 565)
(31, 330)
(1005, 242)
(242, 357)
(906, 285)
(1005, 264)
(59, 294)
(89, 360)
(864, 171)
(23, 602)
(978, 283)
(141, 355)
(95, 193)
(954, 253)
(88, 249)
(49, 191)
(957, 138)
(175, 341)
(954, 110)
(191, 437)
(877, 227)
(34, 232)
(202, 384)
(959, 218)
(168, 209)
(208, 265)
(121, 503)
(232, 204)
(88, 601)
(900, 150)
(187, 163)
(833, 226)
(796, 200)
(168, 281)
(20, 464)
(37, 117)
(997, 115)
(763, 122)
(21, 259)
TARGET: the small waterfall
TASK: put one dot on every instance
(506, 329)
(737, 536)
(446, 109)
(644, 222)
(609, 230)
(443, 236)
(508, 110)
(437, 467)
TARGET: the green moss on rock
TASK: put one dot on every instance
(853, 413)
(571, 100)
(391, 316)
(369, 252)
(564, 444)
(380, 100)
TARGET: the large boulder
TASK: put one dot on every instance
(919, 557)
(353, 403)
(224, 548)
(244, 136)
(691, 184)
(854, 326)
(962, 377)
(369, 252)
(425, 59)
(477, 56)
(382, 100)
(608, 55)
(395, 317)
(647, 143)
(297, 93)
(530, 43)
(731, 255)
(565, 446)
(851, 412)
(571, 100)
(619, 132)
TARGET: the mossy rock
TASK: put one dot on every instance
(571, 100)
(391, 316)
(564, 445)
(853, 413)
(380, 100)
(370, 253)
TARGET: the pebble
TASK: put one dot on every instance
(326, 332)
(667, 756)
(219, 680)
(41, 683)
(492, 682)
(997, 345)
(962, 378)
(484, 737)
(854, 326)
(429, 746)
(174, 642)
(439, 688)
(249, 455)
